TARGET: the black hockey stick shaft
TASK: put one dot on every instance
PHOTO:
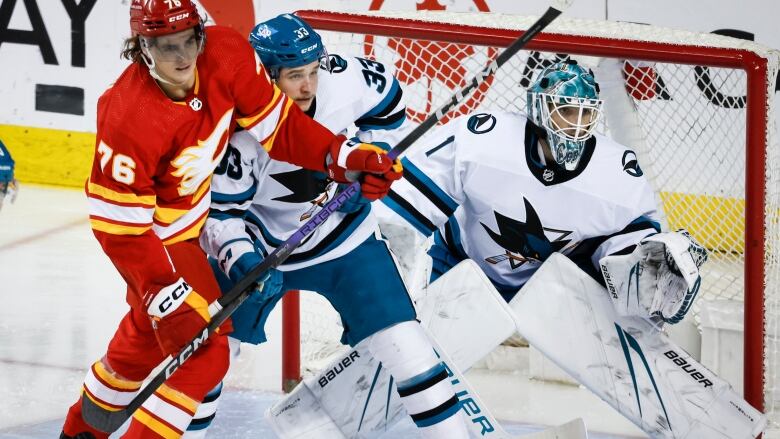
(107, 420)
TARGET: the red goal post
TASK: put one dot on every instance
(738, 216)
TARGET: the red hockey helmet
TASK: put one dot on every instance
(152, 18)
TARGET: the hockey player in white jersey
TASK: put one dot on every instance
(345, 259)
(507, 190)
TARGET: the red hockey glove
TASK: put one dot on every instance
(352, 160)
(178, 313)
(375, 186)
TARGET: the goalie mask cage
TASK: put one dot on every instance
(696, 108)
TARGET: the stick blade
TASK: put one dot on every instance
(100, 418)
(574, 429)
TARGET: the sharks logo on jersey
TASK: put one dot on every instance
(481, 123)
(524, 241)
(305, 185)
(334, 64)
(631, 164)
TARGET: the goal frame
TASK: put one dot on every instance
(756, 70)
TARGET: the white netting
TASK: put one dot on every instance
(687, 123)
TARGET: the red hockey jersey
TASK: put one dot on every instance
(154, 157)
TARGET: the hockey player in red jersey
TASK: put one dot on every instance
(162, 128)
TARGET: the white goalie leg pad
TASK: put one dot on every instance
(421, 379)
(301, 414)
(461, 309)
(628, 363)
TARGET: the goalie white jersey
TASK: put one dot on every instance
(480, 180)
(257, 198)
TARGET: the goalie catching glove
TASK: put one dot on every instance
(370, 164)
(659, 279)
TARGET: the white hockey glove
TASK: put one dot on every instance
(659, 280)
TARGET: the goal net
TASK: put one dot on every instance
(697, 108)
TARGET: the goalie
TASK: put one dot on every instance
(527, 186)
(508, 191)
(514, 208)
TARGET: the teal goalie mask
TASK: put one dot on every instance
(564, 102)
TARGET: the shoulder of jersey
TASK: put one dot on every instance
(223, 33)
(339, 63)
(342, 71)
(483, 134)
(118, 105)
(494, 126)
(617, 158)
(344, 83)
(224, 47)
(489, 123)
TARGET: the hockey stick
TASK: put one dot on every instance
(107, 420)
(482, 423)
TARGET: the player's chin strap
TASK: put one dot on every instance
(146, 55)
(109, 420)
(151, 64)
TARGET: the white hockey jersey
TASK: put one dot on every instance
(257, 199)
(482, 182)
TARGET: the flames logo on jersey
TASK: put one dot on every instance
(196, 163)
(524, 241)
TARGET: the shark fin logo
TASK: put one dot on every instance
(524, 241)
(305, 186)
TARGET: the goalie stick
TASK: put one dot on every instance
(108, 421)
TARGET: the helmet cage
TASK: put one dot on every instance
(580, 116)
(575, 118)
